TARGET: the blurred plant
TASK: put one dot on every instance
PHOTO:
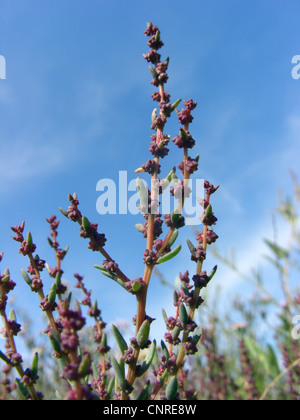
(260, 351)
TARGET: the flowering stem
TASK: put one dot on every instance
(196, 295)
(13, 347)
(41, 293)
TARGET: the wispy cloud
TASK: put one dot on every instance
(43, 145)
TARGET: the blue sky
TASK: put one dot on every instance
(76, 107)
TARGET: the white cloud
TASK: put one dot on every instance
(22, 163)
(6, 94)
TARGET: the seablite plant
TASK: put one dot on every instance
(141, 368)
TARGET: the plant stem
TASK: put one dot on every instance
(18, 367)
(274, 382)
(181, 354)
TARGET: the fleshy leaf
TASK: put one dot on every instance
(169, 255)
(119, 339)
(143, 334)
(172, 388)
(119, 371)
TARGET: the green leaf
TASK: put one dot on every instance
(29, 239)
(183, 134)
(165, 350)
(119, 339)
(257, 354)
(170, 176)
(110, 275)
(5, 359)
(58, 280)
(142, 192)
(86, 224)
(191, 246)
(5, 279)
(23, 390)
(175, 105)
(143, 334)
(120, 374)
(77, 306)
(105, 272)
(185, 289)
(165, 316)
(154, 115)
(173, 238)
(52, 294)
(145, 393)
(172, 388)
(136, 286)
(64, 212)
(58, 396)
(176, 332)
(104, 340)
(95, 306)
(273, 362)
(110, 388)
(12, 315)
(175, 216)
(69, 298)
(177, 219)
(149, 359)
(55, 344)
(84, 366)
(26, 277)
(208, 211)
(279, 252)
(35, 366)
(153, 72)
(183, 315)
(175, 298)
(213, 272)
(197, 336)
(140, 228)
(164, 377)
(169, 255)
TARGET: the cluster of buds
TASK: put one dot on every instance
(59, 253)
(160, 76)
(37, 266)
(94, 312)
(87, 229)
(79, 367)
(208, 218)
(159, 140)
(27, 246)
(6, 286)
(184, 140)
(182, 322)
(11, 330)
